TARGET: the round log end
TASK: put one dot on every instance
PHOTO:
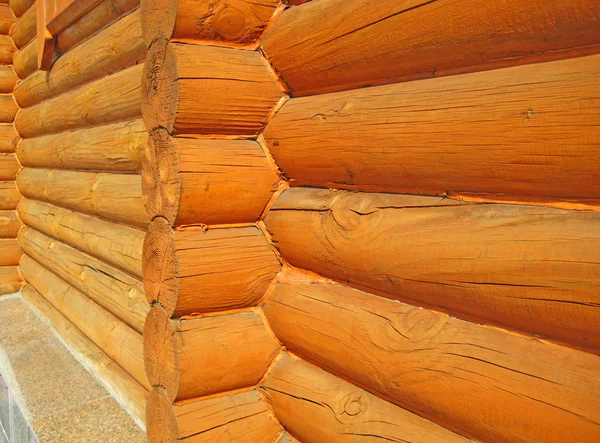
(157, 20)
(161, 424)
(159, 265)
(160, 353)
(160, 90)
(161, 188)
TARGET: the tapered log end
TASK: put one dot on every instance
(157, 20)
(161, 424)
(159, 265)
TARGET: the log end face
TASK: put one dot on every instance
(161, 424)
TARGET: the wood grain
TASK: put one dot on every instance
(10, 252)
(9, 166)
(19, 7)
(9, 224)
(25, 59)
(10, 280)
(8, 108)
(24, 29)
(7, 19)
(8, 79)
(8, 138)
(7, 50)
(9, 195)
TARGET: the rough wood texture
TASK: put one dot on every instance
(9, 166)
(115, 197)
(530, 268)
(8, 79)
(115, 291)
(120, 342)
(116, 244)
(8, 108)
(110, 99)
(10, 252)
(191, 181)
(115, 147)
(20, 7)
(10, 280)
(119, 383)
(25, 28)
(7, 19)
(319, 407)
(329, 45)
(9, 224)
(529, 130)
(193, 270)
(526, 389)
(227, 22)
(193, 89)
(113, 49)
(8, 138)
(239, 417)
(7, 49)
(25, 60)
(9, 195)
(198, 356)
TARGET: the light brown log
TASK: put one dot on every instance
(120, 342)
(10, 280)
(115, 147)
(128, 392)
(9, 166)
(191, 181)
(10, 252)
(97, 18)
(112, 49)
(226, 22)
(110, 99)
(326, 46)
(195, 89)
(197, 356)
(239, 417)
(530, 131)
(7, 49)
(25, 60)
(121, 295)
(25, 28)
(193, 270)
(530, 268)
(8, 79)
(8, 138)
(19, 7)
(8, 108)
(116, 244)
(9, 224)
(319, 407)
(490, 384)
(115, 197)
(9, 195)
(7, 19)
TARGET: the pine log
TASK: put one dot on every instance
(239, 417)
(8, 108)
(191, 181)
(110, 99)
(8, 79)
(9, 224)
(9, 166)
(530, 268)
(7, 49)
(10, 280)
(199, 356)
(115, 244)
(25, 28)
(319, 407)
(20, 7)
(9, 195)
(120, 342)
(530, 130)
(7, 19)
(194, 270)
(430, 363)
(121, 295)
(329, 45)
(195, 89)
(112, 49)
(8, 138)
(25, 60)
(115, 197)
(119, 383)
(106, 12)
(10, 252)
(117, 147)
(225, 22)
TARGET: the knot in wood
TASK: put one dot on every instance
(354, 404)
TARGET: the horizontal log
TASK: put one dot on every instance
(104, 13)
(8, 79)
(120, 342)
(9, 166)
(115, 197)
(239, 417)
(191, 181)
(120, 384)
(196, 89)
(10, 280)
(530, 268)
(112, 49)
(319, 407)
(396, 138)
(115, 244)
(25, 29)
(9, 195)
(8, 138)
(8, 108)
(19, 7)
(9, 224)
(232, 268)
(7, 49)
(25, 60)
(227, 22)
(10, 252)
(199, 356)
(121, 295)
(326, 46)
(110, 99)
(7, 19)
(115, 147)
(490, 384)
